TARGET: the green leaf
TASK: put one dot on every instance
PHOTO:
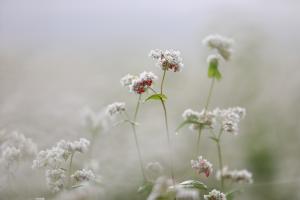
(146, 188)
(213, 71)
(193, 184)
(157, 97)
(214, 139)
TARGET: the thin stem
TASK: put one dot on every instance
(198, 142)
(220, 158)
(133, 124)
(70, 170)
(167, 129)
(209, 94)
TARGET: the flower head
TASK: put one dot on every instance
(222, 44)
(238, 176)
(127, 80)
(215, 195)
(167, 60)
(153, 170)
(94, 121)
(230, 118)
(202, 166)
(199, 119)
(142, 83)
(115, 108)
(83, 175)
(55, 179)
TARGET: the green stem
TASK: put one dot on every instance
(220, 158)
(70, 170)
(133, 126)
(198, 142)
(167, 130)
(209, 94)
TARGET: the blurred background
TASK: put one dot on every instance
(58, 56)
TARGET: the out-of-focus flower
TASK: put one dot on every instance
(222, 44)
(115, 108)
(238, 176)
(160, 189)
(55, 179)
(202, 166)
(83, 175)
(213, 59)
(15, 147)
(167, 60)
(230, 118)
(215, 195)
(187, 194)
(143, 82)
(203, 119)
(153, 170)
(127, 80)
(94, 121)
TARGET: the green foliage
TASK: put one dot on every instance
(186, 122)
(192, 184)
(213, 71)
(157, 97)
(145, 189)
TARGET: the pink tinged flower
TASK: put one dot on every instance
(143, 82)
(202, 166)
(167, 60)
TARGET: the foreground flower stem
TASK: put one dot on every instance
(70, 171)
(133, 125)
(205, 110)
(167, 129)
(220, 158)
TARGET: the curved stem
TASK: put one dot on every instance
(162, 82)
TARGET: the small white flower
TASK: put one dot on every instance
(230, 118)
(213, 59)
(215, 195)
(115, 108)
(202, 166)
(186, 194)
(160, 188)
(238, 176)
(143, 82)
(222, 44)
(94, 121)
(202, 118)
(127, 80)
(55, 179)
(167, 60)
(83, 175)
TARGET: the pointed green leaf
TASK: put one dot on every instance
(193, 184)
(157, 97)
(187, 122)
(213, 71)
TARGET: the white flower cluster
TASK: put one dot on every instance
(138, 84)
(15, 147)
(186, 194)
(222, 44)
(215, 195)
(83, 175)
(153, 170)
(55, 179)
(230, 118)
(53, 159)
(167, 60)
(202, 166)
(238, 176)
(202, 118)
(213, 59)
(94, 121)
(115, 108)
(160, 188)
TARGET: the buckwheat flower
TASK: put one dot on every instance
(230, 118)
(153, 170)
(167, 60)
(215, 195)
(80, 146)
(83, 175)
(115, 108)
(222, 44)
(143, 82)
(202, 166)
(127, 80)
(237, 176)
(199, 119)
(94, 121)
(50, 158)
(55, 179)
(10, 154)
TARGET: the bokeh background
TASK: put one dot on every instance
(59, 56)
